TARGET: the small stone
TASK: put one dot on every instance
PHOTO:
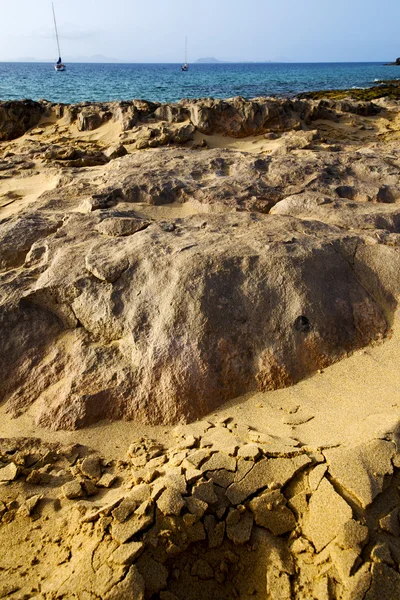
(222, 478)
(196, 506)
(196, 458)
(131, 587)
(9, 473)
(192, 475)
(29, 506)
(196, 533)
(239, 532)
(72, 490)
(219, 461)
(123, 532)
(170, 502)
(390, 522)
(352, 535)
(327, 513)
(34, 477)
(126, 554)
(316, 475)
(249, 452)
(125, 509)
(106, 480)
(215, 531)
(89, 487)
(91, 468)
(205, 491)
(270, 511)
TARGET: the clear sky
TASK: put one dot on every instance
(232, 30)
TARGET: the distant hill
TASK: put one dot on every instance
(209, 59)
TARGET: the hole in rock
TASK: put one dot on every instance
(302, 324)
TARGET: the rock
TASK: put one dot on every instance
(89, 119)
(270, 511)
(89, 487)
(385, 583)
(170, 502)
(249, 452)
(215, 531)
(391, 523)
(132, 587)
(221, 478)
(327, 514)
(91, 468)
(123, 532)
(9, 473)
(106, 480)
(29, 506)
(218, 461)
(239, 526)
(72, 490)
(361, 471)
(277, 471)
(17, 117)
(196, 506)
(115, 151)
(352, 535)
(205, 491)
(120, 227)
(126, 554)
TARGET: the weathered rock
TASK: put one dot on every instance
(270, 511)
(327, 513)
(9, 473)
(91, 467)
(123, 532)
(18, 116)
(265, 473)
(239, 526)
(72, 490)
(170, 502)
(132, 587)
(126, 554)
(362, 470)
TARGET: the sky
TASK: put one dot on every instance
(229, 30)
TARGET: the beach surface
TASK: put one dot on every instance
(199, 350)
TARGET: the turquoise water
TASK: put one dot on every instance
(167, 83)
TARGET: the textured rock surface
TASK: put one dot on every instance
(163, 287)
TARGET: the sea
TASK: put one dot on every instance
(95, 82)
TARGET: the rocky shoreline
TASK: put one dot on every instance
(157, 261)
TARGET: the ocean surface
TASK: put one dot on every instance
(167, 83)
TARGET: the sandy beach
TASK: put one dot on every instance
(200, 393)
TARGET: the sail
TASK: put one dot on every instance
(59, 60)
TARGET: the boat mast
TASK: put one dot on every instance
(186, 50)
(55, 26)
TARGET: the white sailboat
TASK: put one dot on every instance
(59, 66)
(185, 66)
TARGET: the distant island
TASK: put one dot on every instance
(396, 63)
(209, 59)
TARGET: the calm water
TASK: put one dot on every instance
(166, 82)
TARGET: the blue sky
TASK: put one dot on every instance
(233, 30)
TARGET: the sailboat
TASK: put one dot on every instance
(185, 66)
(59, 66)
